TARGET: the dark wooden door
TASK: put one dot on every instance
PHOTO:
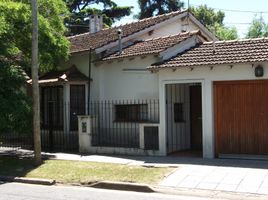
(77, 104)
(52, 107)
(196, 117)
(241, 117)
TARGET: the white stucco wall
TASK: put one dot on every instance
(206, 76)
(172, 28)
(119, 80)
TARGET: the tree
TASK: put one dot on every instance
(149, 8)
(81, 10)
(15, 32)
(214, 22)
(15, 37)
(225, 33)
(258, 28)
(15, 106)
(208, 16)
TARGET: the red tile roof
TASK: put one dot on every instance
(84, 42)
(226, 52)
(152, 46)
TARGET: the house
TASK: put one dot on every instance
(158, 86)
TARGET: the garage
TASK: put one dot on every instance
(241, 117)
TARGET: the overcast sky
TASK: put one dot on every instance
(231, 7)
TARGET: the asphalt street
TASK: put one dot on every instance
(18, 191)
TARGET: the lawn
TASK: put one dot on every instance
(81, 172)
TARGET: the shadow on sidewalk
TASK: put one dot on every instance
(176, 160)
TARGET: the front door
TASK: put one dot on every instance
(77, 104)
(196, 117)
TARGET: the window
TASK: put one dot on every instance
(178, 112)
(131, 113)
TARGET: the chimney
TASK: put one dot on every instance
(120, 33)
(95, 23)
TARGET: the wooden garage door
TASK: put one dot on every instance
(241, 117)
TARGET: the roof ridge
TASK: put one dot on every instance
(158, 16)
(73, 36)
(141, 20)
(237, 40)
(148, 18)
(190, 33)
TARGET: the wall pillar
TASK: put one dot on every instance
(208, 130)
(162, 118)
(85, 133)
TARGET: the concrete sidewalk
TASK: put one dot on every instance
(247, 176)
(233, 179)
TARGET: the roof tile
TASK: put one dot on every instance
(152, 46)
(84, 42)
(226, 52)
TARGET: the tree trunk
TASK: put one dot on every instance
(35, 86)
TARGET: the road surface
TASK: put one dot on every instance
(18, 191)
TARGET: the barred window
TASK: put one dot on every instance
(131, 113)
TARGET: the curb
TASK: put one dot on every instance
(123, 186)
(27, 180)
(210, 194)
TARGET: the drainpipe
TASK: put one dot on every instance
(89, 79)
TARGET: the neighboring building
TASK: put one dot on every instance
(158, 86)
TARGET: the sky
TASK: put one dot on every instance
(240, 19)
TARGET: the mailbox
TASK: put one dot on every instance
(85, 128)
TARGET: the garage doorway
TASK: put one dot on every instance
(184, 119)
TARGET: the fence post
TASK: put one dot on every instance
(50, 114)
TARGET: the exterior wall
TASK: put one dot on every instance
(206, 76)
(127, 79)
(172, 28)
(120, 79)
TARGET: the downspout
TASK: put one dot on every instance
(89, 79)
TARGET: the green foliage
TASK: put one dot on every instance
(213, 20)
(149, 8)
(81, 9)
(208, 16)
(14, 103)
(15, 50)
(225, 33)
(15, 31)
(258, 28)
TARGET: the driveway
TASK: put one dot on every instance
(224, 178)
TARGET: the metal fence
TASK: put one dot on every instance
(58, 141)
(15, 141)
(116, 123)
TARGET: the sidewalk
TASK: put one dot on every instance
(244, 176)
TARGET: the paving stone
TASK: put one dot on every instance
(190, 182)
(207, 186)
(232, 180)
(226, 187)
(263, 190)
(247, 188)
